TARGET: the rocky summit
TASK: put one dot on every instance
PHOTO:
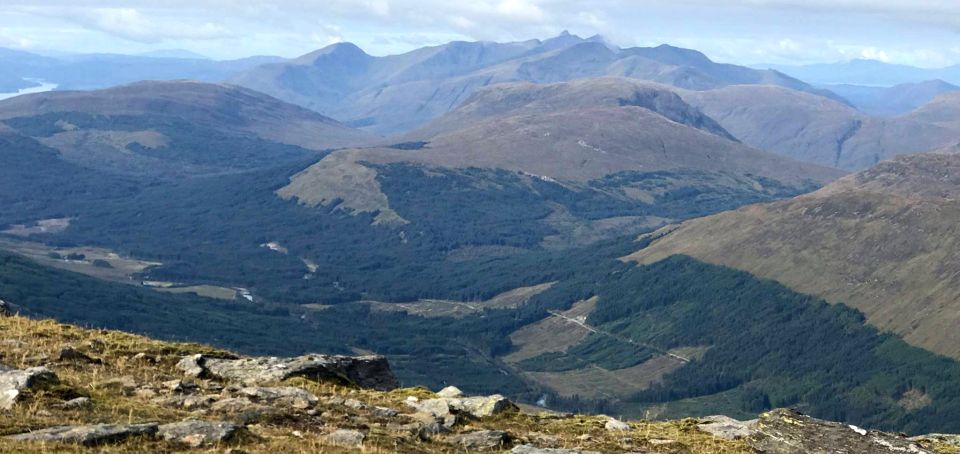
(117, 392)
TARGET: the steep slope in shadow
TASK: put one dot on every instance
(882, 241)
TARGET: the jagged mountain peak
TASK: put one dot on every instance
(343, 52)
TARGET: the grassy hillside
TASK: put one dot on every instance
(814, 129)
(881, 241)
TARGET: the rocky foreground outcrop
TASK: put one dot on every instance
(785, 431)
(365, 371)
(66, 389)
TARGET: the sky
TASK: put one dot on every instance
(915, 32)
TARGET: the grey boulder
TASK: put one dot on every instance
(365, 371)
(615, 425)
(90, 435)
(13, 382)
(476, 407)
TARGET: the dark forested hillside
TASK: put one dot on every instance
(767, 347)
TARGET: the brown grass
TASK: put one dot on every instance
(27, 343)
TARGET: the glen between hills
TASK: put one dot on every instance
(482, 249)
(396, 223)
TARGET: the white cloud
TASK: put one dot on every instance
(521, 9)
(131, 24)
(8, 39)
(327, 35)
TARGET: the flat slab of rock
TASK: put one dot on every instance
(345, 437)
(91, 435)
(282, 395)
(789, 432)
(13, 382)
(200, 433)
(237, 405)
(528, 449)
(365, 371)
(480, 440)
(726, 427)
(615, 425)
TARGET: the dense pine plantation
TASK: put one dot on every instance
(769, 346)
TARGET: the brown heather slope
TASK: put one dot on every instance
(571, 132)
(943, 111)
(528, 98)
(884, 241)
(816, 129)
(227, 107)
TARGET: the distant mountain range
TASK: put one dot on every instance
(175, 53)
(868, 73)
(891, 101)
(397, 93)
(19, 69)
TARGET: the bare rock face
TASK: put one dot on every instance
(480, 440)
(364, 371)
(789, 432)
(726, 427)
(14, 382)
(91, 435)
(195, 434)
